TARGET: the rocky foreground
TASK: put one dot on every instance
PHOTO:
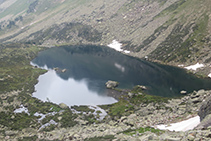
(133, 117)
(135, 126)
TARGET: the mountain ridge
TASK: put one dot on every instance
(173, 32)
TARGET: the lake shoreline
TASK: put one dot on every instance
(126, 119)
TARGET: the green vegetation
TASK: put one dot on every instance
(140, 97)
(16, 8)
(18, 77)
(142, 130)
(175, 48)
(122, 107)
(184, 43)
(32, 138)
(66, 32)
(104, 138)
(131, 4)
(16, 72)
(151, 38)
(82, 109)
(19, 121)
(162, 2)
(32, 6)
(86, 113)
(90, 118)
(68, 119)
(17, 82)
(163, 27)
(171, 8)
(127, 104)
(34, 105)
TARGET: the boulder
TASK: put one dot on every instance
(63, 106)
(142, 87)
(147, 136)
(81, 122)
(130, 94)
(56, 69)
(195, 100)
(123, 118)
(191, 137)
(201, 92)
(64, 70)
(29, 131)
(183, 92)
(111, 84)
(59, 118)
(173, 139)
(11, 133)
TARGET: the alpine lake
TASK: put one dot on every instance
(77, 75)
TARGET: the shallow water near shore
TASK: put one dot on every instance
(82, 72)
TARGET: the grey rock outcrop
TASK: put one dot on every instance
(142, 87)
(205, 114)
(111, 84)
(206, 122)
(63, 106)
(205, 108)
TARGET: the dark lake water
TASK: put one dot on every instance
(89, 67)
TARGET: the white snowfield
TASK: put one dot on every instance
(117, 46)
(194, 67)
(22, 109)
(181, 126)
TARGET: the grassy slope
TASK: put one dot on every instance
(17, 75)
(179, 37)
(17, 80)
(186, 41)
(18, 7)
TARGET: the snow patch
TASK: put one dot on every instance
(96, 108)
(99, 116)
(44, 115)
(180, 65)
(194, 67)
(45, 67)
(51, 122)
(126, 51)
(117, 46)
(181, 126)
(22, 109)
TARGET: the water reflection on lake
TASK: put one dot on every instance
(87, 68)
(53, 88)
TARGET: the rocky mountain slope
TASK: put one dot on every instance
(169, 31)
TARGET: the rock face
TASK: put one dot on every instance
(111, 84)
(205, 108)
(205, 114)
(206, 122)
